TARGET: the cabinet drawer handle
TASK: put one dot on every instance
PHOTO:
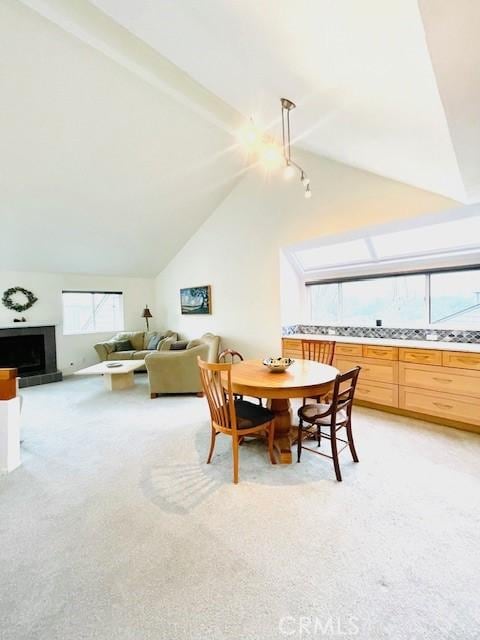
(442, 379)
(378, 350)
(420, 355)
(468, 360)
(443, 406)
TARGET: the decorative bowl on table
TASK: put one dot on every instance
(278, 365)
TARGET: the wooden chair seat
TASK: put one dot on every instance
(320, 414)
(251, 415)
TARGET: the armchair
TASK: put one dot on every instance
(177, 371)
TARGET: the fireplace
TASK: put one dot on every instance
(31, 350)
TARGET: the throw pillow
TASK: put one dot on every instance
(123, 345)
(180, 345)
(153, 342)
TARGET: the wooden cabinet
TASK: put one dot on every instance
(442, 386)
(383, 353)
(461, 360)
(377, 393)
(444, 379)
(291, 348)
(453, 407)
(372, 369)
(420, 356)
(344, 349)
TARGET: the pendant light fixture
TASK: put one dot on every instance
(291, 167)
(269, 153)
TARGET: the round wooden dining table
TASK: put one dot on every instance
(303, 379)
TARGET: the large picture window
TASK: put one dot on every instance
(92, 311)
(449, 299)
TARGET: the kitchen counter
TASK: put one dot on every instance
(390, 342)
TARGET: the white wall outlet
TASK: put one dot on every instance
(332, 332)
(432, 336)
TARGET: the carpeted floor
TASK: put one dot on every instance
(114, 528)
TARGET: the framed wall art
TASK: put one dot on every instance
(196, 300)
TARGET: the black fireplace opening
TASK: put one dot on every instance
(26, 353)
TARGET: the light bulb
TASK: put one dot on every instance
(305, 180)
(271, 156)
(250, 137)
(289, 171)
(308, 193)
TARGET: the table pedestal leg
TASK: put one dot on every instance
(283, 428)
(114, 381)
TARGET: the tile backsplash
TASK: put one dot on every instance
(445, 335)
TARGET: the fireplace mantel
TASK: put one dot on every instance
(19, 325)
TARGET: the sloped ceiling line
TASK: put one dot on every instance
(90, 25)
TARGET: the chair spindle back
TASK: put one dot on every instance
(319, 350)
(220, 399)
(230, 356)
(343, 398)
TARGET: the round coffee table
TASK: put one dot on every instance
(303, 379)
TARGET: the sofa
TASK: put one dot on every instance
(139, 341)
(176, 371)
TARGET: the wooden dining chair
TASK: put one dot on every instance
(333, 417)
(231, 356)
(322, 351)
(233, 417)
(319, 350)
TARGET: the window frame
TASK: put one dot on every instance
(377, 276)
(92, 293)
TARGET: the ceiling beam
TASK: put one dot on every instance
(95, 28)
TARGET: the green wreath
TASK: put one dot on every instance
(16, 306)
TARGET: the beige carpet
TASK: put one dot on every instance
(114, 528)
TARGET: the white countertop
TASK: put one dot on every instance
(390, 342)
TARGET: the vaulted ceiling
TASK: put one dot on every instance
(110, 157)
(374, 91)
(117, 116)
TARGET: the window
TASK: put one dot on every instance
(92, 311)
(449, 299)
(455, 298)
(441, 237)
(392, 300)
(438, 240)
(325, 303)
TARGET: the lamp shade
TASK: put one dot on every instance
(146, 313)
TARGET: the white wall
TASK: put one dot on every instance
(75, 351)
(237, 250)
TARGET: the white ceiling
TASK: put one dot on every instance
(361, 73)
(100, 171)
(117, 116)
(452, 30)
